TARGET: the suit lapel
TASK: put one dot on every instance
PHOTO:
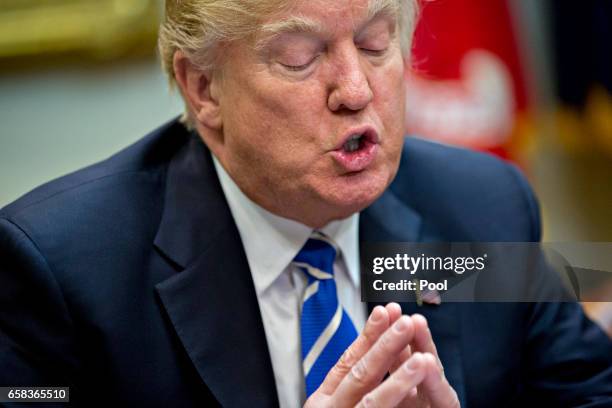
(211, 300)
(389, 219)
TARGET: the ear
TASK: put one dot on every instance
(199, 90)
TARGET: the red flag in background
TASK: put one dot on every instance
(467, 85)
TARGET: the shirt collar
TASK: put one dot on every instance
(271, 242)
(345, 233)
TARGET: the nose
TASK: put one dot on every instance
(350, 86)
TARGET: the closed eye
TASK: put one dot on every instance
(297, 68)
(374, 52)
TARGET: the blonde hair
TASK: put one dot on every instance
(199, 28)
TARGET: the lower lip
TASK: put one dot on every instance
(359, 159)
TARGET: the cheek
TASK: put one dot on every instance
(297, 108)
(390, 105)
(391, 102)
(293, 112)
(273, 128)
(392, 90)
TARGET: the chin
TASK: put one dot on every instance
(355, 192)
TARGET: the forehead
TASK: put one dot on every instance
(323, 9)
(327, 17)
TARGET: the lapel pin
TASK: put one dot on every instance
(430, 297)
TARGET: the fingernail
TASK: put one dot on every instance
(400, 325)
(413, 362)
(376, 315)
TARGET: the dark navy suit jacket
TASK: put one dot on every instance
(128, 282)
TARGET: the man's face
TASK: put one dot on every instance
(313, 116)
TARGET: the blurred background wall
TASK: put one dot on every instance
(529, 81)
(79, 80)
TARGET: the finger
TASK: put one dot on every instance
(399, 386)
(412, 399)
(394, 310)
(435, 387)
(403, 356)
(423, 341)
(377, 323)
(369, 371)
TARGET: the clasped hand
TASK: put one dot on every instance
(390, 343)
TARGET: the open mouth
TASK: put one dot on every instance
(358, 139)
(357, 150)
(354, 143)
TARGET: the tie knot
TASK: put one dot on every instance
(317, 257)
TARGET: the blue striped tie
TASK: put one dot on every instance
(326, 329)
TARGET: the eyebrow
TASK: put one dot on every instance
(293, 24)
(301, 24)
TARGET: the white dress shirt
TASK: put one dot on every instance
(271, 242)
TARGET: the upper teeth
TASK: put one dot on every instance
(352, 143)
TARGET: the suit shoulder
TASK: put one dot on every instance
(435, 160)
(111, 203)
(467, 189)
(140, 161)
